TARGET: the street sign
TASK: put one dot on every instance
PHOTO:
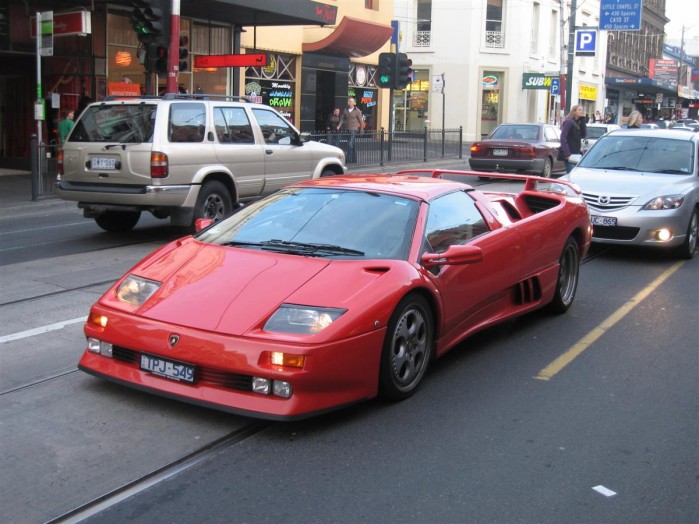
(437, 83)
(585, 42)
(45, 28)
(620, 15)
(555, 86)
(251, 60)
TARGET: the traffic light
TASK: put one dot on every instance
(386, 72)
(184, 54)
(403, 73)
(161, 60)
(151, 20)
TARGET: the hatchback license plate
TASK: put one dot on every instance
(103, 163)
(167, 368)
(499, 152)
(603, 221)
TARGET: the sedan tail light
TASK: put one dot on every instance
(476, 149)
(158, 165)
(526, 151)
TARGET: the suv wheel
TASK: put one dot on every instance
(118, 221)
(214, 201)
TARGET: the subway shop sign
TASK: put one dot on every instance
(536, 81)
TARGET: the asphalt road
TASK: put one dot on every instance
(587, 417)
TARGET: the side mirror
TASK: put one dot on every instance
(202, 223)
(453, 256)
(574, 159)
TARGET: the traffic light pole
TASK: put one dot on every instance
(173, 59)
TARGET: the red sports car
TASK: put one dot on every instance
(336, 290)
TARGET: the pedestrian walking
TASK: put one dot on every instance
(332, 126)
(573, 130)
(351, 121)
(65, 125)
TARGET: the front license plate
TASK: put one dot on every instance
(167, 368)
(499, 152)
(103, 163)
(603, 221)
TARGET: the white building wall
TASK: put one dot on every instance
(458, 49)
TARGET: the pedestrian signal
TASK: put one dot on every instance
(386, 72)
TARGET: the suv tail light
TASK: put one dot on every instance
(158, 165)
(60, 162)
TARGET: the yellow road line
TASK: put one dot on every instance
(566, 358)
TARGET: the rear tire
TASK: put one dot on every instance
(214, 201)
(548, 167)
(118, 221)
(567, 284)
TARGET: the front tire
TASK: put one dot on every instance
(118, 221)
(214, 201)
(689, 246)
(407, 349)
(568, 272)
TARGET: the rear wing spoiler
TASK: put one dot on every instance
(531, 182)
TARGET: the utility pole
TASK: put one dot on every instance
(562, 74)
(571, 55)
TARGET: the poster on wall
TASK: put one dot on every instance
(274, 93)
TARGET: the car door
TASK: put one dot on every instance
(286, 160)
(471, 293)
(186, 144)
(239, 150)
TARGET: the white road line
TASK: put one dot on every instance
(604, 491)
(41, 329)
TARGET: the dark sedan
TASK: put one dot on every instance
(519, 147)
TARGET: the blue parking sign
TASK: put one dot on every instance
(585, 42)
(555, 86)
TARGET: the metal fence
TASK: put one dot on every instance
(382, 147)
(44, 169)
(371, 148)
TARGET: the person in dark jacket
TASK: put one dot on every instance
(573, 130)
(333, 124)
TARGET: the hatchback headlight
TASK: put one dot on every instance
(664, 202)
(135, 290)
(305, 320)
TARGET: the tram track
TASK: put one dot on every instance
(107, 500)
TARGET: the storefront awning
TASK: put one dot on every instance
(643, 85)
(352, 38)
(262, 12)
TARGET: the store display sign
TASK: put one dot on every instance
(274, 93)
(664, 71)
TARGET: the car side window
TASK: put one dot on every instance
(453, 219)
(551, 135)
(187, 122)
(274, 128)
(232, 126)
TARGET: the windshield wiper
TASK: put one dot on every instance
(310, 248)
(620, 168)
(672, 171)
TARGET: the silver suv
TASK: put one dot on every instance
(183, 157)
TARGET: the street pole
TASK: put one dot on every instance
(571, 55)
(562, 74)
(173, 60)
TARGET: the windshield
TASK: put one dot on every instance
(595, 132)
(637, 153)
(130, 124)
(516, 132)
(325, 222)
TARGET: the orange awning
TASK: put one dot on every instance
(352, 38)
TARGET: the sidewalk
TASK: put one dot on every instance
(16, 185)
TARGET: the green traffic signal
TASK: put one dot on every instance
(386, 70)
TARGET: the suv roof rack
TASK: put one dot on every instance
(203, 96)
(110, 98)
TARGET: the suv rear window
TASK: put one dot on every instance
(121, 123)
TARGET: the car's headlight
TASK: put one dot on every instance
(305, 320)
(135, 290)
(664, 202)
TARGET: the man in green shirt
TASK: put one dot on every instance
(65, 125)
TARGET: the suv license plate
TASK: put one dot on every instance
(499, 152)
(103, 163)
(603, 221)
(167, 368)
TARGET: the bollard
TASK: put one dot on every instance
(35, 168)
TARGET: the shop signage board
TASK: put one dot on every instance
(251, 60)
(620, 15)
(66, 24)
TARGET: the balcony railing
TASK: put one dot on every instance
(494, 39)
(423, 39)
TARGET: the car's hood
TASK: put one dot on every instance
(614, 182)
(233, 290)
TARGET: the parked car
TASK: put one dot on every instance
(685, 122)
(519, 147)
(642, 188)
(183, 157)
(650, 125)
(334, 291)
(594, 132)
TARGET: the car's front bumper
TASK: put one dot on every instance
(636, 227)
(334, 374)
